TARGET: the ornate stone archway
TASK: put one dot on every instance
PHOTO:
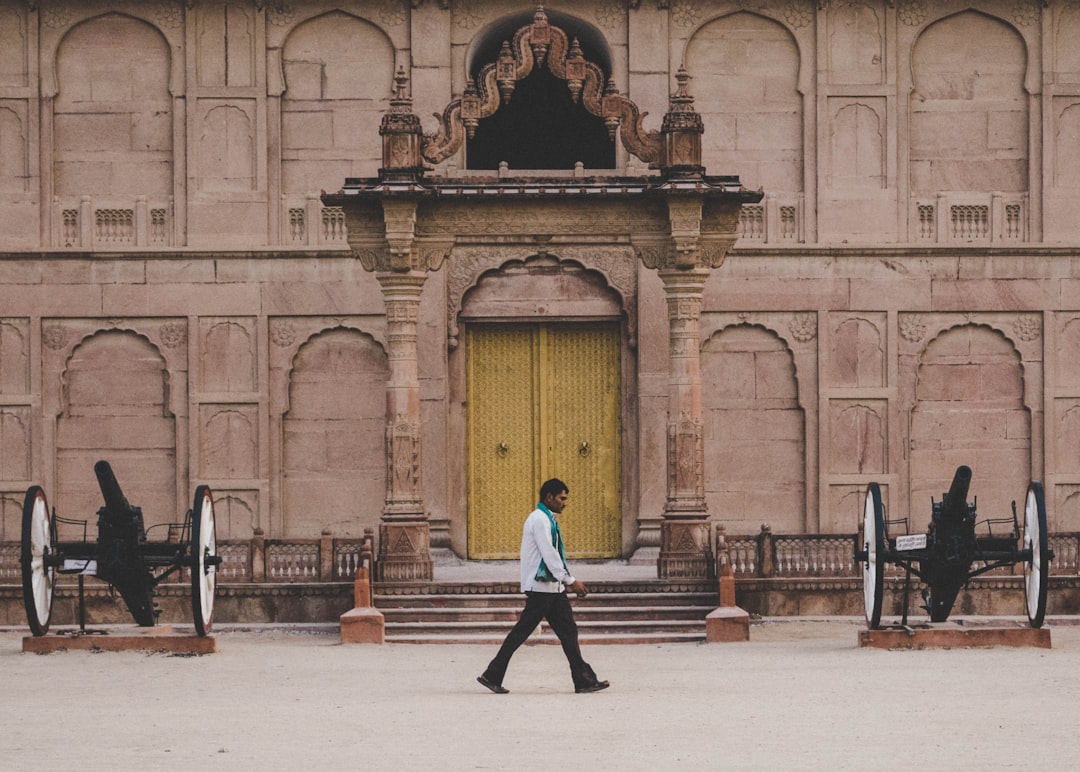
(680, 222)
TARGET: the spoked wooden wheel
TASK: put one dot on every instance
(204, 560)
(1036, 540)
(38, 545)
(874, 546)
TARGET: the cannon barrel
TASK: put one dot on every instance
(954, 506)
(121, 539)
(115, 500)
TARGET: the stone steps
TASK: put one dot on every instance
(608, 615)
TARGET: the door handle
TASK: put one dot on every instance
(584, 449)
(502, 448)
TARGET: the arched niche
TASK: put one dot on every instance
(329, 116)
(112, 114)
(333, 435)
(969, 410)
(979, 63)
(603, 278)
(115, 407)
(754, 430)
(749, 65)
(538, 288)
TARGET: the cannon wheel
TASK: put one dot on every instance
(874, 540)
(1036, 540)
(38, 542)
(203, 571)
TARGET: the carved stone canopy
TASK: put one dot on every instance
(400, 225)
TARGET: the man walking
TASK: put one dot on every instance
(544, 580)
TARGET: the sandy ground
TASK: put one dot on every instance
(799, 695)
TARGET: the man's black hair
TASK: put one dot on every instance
(554, 487)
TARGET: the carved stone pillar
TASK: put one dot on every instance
(684, 542)
(404, 534)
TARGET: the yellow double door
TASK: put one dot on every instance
(543, 401)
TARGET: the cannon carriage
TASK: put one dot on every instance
(123, 556)
(956, 548)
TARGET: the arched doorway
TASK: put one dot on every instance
(544, 399)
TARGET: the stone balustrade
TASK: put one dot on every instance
(766, 555)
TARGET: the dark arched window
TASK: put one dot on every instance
(541, 127)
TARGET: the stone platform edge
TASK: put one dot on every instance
(954, 636)
(121, 638)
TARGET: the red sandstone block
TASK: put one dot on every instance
(727, 624)
(126, 639)
(363, 625)
(955, 637)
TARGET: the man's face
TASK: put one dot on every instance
(556, 503)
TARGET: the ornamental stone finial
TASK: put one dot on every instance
(681, 133)
(402, 133)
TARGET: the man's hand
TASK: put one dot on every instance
(579, 588)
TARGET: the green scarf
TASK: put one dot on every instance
(543, 574)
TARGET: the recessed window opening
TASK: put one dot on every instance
(541, 127)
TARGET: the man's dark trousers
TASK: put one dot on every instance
(555, 608)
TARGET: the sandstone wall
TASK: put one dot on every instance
(173, 295)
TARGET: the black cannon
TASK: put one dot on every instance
(123, 556)
(954, 550)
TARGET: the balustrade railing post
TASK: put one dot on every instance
(258, 556)
(326, 557)
(766, 552)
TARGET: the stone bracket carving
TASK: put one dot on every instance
(397, 249)
(399, 215)
(685, 214)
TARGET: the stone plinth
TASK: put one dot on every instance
(363, 625)
(727, 624)
(684, 549)
(126, 638)
(950, 635)
(404, 552)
